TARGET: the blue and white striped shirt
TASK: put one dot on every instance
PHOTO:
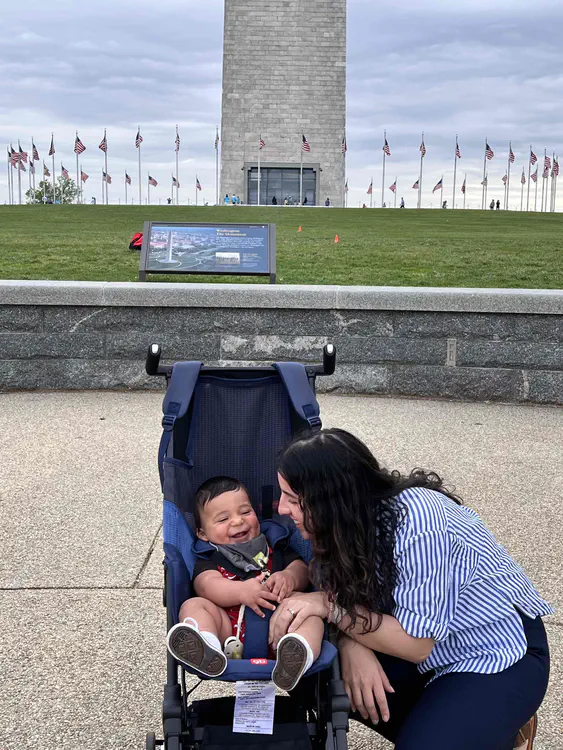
(458, 585)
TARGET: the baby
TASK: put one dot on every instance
(239, 573)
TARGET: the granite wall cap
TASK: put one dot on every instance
(137, 294)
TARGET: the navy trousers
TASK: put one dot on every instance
(462, 710)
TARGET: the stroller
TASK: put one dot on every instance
(234, 421)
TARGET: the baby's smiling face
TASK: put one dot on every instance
(228, 519)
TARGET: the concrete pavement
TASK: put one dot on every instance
(81, 623)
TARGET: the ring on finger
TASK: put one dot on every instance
(291, 612)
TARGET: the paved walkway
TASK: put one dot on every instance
(81, 623)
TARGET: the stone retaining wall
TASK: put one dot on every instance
(476, 344)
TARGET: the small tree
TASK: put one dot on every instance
(65, 190)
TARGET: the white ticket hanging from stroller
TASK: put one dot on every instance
(254, 707)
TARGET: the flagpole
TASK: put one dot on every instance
(217, 167)
(529, 171)
(508, 175)
(420, 176)
(29, 174)
(543, 178)
(53, 155)
(455, 169)
(196, 190)
(551, 206)
(19, 176)
(140, 178)
(259, 150)
(177, 169)
(442, 193)
(77, 175)
(465, 191)
(522, 193)
(484, 190)
(383, 180)
(34, 168)
(125, 188)
(555, 188)
(148, 191)
(536, 192)
(395, 196)
(10, 197)
(371, 194)
(104, 187)
(301, 178)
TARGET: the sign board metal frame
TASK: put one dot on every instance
(144, 259)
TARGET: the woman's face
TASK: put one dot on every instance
(290, 506)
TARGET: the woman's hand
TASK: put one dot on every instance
(292, 612)
(365, 681)
(253, 594)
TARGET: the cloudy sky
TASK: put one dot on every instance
(475, 68)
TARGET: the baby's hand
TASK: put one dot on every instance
(255, 595)
(281, 584)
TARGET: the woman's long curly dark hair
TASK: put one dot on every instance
(349, 507)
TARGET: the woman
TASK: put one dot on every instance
(441, 629)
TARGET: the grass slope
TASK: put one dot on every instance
(377, 247)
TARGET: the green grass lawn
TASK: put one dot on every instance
(377, 247)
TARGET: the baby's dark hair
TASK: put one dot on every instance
(211, 489)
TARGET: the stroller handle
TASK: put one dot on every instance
(153, 366)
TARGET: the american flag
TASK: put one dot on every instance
(177, 141)
(104, 144)
(23, 155)
(106, 177)
(346, 187)
(22, 166)
(505, 178)
(555, 172)
(152, 181)
(31, 168)
(14, 157)
(386, 149)
(138, 139)
(489, 153)
(523, 178)
(344, 146)
(485, 181)
(52, 147)
(535, 176)
(370, 188)
(511, 155)
(46, 172)
(393, 187)
(415, 186)
(35, 151)
(83, 176)
(79, 147)
(439, 185)
(305, 145)
(457, 151)
(64, 173)
(546, 162)
(533, 158)
(197, 183)
(217, 140)
(262, 143)
(127, 179)
(463, 187)
(423, 148)
(175, 182)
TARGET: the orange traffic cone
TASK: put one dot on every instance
(336, 239)
(300, 229)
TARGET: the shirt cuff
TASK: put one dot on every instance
(419, 626)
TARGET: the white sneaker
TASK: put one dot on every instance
(189, 646)
(294, 657)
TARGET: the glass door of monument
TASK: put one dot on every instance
(280, 186)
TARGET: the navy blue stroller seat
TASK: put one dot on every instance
(217, 425)
(234, 422)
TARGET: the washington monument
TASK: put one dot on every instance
(284, 77)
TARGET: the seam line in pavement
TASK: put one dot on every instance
(147, 558)
(77, 588)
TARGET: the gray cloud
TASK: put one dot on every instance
(479, 71)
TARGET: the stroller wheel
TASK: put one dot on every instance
(150, 741)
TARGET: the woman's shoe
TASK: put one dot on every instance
(294, 657)
(526, 736)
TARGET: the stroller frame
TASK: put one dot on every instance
(319, 704)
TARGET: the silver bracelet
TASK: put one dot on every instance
(336, 614)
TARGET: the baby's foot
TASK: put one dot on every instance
(200, 651)
(294, 657)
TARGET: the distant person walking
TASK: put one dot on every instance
(498, 205)
(402, 203)
(327, 203)
(492, 206)
(274, 201)
(227, 199)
